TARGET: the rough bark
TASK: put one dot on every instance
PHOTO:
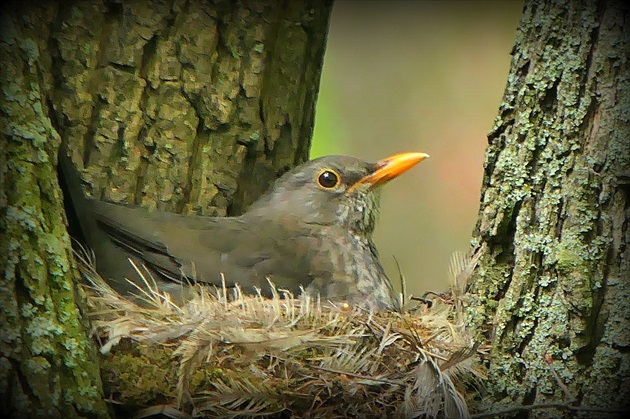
(182, 106)
(552, 278)
(46, 356)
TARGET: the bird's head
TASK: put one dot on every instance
(333, 191)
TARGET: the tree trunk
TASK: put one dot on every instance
(179, 106)
(552, 277)
(184, 106)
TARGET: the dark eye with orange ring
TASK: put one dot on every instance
(328, 179)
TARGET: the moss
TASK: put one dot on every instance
(569, 259)
(151, 369)
(206, 376)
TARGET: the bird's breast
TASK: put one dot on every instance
(345, 267)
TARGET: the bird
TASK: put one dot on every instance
(311, 231)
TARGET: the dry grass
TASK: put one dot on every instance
(226, 354)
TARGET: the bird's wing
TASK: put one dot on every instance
(203, 248)
(184, 247)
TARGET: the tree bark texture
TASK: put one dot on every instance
(185, 106)
(552, 278)
(46, 356)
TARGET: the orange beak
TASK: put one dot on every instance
(389, 168)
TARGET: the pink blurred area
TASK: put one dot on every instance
(417, 76)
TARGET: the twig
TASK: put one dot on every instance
(403, 283)
(563, 387)
(359, 376)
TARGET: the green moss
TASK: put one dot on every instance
(38, 365)
(204, 377)
(568, 258)
(151, 369)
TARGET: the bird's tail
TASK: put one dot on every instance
(75, 201)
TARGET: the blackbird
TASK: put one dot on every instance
(312, 229)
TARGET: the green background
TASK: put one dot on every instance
(417, 76)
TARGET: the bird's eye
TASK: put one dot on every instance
(328, 179)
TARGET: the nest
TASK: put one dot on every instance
(227, 354)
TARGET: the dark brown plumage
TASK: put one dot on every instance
(313, 229)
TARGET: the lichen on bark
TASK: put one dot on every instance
(47, 359)
(551, 283)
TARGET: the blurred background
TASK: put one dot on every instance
(417, 76)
